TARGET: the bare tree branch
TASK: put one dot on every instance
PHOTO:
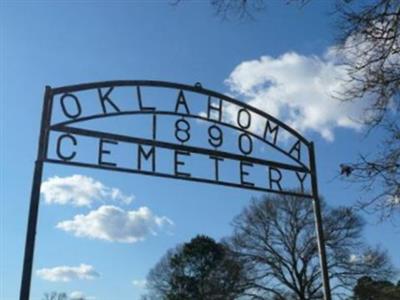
(275, 238)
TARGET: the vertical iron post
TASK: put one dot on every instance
(35, 196)
(318, 226)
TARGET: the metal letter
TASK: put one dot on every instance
(243, 173)
(216, 165)
(268, 128)
(154, 127)
(106, 98)
(181, 101)
(277, 181)
(301, 179)
(185, 131)
(178, 162)
(151, 152)
(215, 141)
(250, 141)
(297, 149)
(217, 109)
(141, 107)
(59, 140)
(102, 151)
(65, 110)
(239, 118)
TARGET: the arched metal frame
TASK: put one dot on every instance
(66, 128)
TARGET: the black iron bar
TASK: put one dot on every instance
(169, 113)
(172, 85)
(318, 225)
(167, 145)
(172, 176)
(35, 196)
(44, 142)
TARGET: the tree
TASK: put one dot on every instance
(370, 47)
(275, 239)
(237, 9)
(55, 296)
(368, 289)
(241, 9)
(63, 296)
(198, 270)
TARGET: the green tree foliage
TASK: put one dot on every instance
(369, 289)
(198, 270)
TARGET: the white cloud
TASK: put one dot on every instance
(68, 273)
(394, 200)
(78, 295)
(114, 224)
(299, 90)
(139, 283)
(368, 257)
(79, 190)
(361, 48)
(354, 258)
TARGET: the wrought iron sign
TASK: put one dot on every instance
(173, 131)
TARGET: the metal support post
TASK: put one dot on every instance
(318, 226)
(35, 196)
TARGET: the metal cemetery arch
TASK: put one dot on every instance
(215, 105)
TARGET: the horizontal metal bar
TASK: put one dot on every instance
(166, 175)
(169, 113)
(165, 84)
(167, 145)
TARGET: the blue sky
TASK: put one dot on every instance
(281, 63)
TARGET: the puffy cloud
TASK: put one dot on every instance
(79, 190)
(354, 258)
(394, 200)
(363, 48)
(68, 273)
(300, 90)
(78, 295)
(139, 283)
(111, 223)
(368, 257)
